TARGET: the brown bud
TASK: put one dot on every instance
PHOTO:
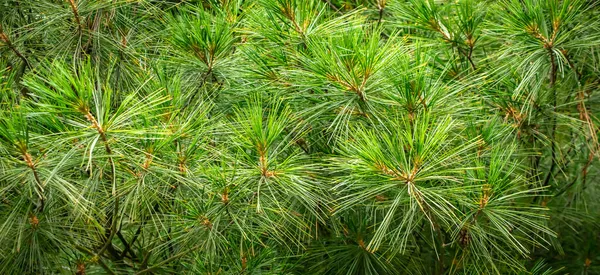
(80, 269)
(225, 197)
(34, 221)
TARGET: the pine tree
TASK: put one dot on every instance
(299, 137)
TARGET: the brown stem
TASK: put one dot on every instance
(332, 5)
(95, 25)
(127, 247)
(583, 110)
(553, 68)
(112, 220)
(168, 260)
(76, 14)
(432, 219)
(102, 264)
(584, 171)
(202, 82)
(11, 46)
(469, 57)
(289, 14)
(38, 186)
(133, 240)
(145, 261)
(380, 7)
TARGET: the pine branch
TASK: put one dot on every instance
(168, 260)
(39, 186)
(75, 11)
(9, 44)
(112, 218)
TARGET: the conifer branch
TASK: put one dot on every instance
(75, 11)
(4, 38)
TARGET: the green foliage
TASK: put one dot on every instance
(299, 137)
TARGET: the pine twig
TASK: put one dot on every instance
(75, 11)
(11, 46)
(174, 257)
